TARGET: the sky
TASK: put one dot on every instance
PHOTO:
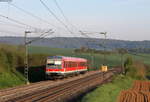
(121, 19)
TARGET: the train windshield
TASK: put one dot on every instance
(54, 64)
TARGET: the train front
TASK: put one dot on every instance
(54, 67)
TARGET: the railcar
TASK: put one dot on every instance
(61, 66)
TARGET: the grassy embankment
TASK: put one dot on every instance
(12, 66)
(10, 58)
(135, 70)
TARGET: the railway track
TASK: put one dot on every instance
(51, 91)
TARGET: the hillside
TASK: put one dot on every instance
(10, 59)
(72, 42)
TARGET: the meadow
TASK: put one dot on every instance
(12, 59)
(96, 60)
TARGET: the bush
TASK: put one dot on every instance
(10, 58)
(12, 65)
(140, 70)
(135, 69)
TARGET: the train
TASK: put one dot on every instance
(62, 66)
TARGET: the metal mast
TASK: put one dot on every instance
(26, 69)
(104, 44)
(26, 43)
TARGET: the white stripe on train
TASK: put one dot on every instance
(66, 71)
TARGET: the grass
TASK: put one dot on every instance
(10, 80)
(142, 57)
(111, 59)
(110, 91)
(135, 70)
(10, 57)
(50, 51)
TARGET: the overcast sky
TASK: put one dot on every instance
(122, 19)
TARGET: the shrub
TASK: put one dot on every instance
(135, 69)
(128, 65)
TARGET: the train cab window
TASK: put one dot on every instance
(54, 64)
(50, 64)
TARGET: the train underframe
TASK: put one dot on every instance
(60, 75)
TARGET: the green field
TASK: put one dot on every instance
(95, 59)
(142, 57)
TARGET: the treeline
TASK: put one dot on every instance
(12, 60)
(117, 50)
(140, 50)
(89, 50)
(11, 57)
(14, 56)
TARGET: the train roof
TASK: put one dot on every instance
(66, 58)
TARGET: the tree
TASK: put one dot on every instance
(122, 52)
(128, 64)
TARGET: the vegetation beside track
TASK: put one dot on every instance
(113, 59)
(134, 70)
(12, 62)
(12, 66)
(109, 92)
(10, 58)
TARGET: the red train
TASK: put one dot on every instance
(61, 66)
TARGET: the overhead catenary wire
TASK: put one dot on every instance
(8, 32)
(63, 14)
(53, 14)
(42, 36)
(12, 25)
(21, 23)
(65, 17)
(84, 34)
(67, 20)
(56, 3)
(34, 16)
(18, 22)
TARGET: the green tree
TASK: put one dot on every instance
(122, 52)
(128, 64)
